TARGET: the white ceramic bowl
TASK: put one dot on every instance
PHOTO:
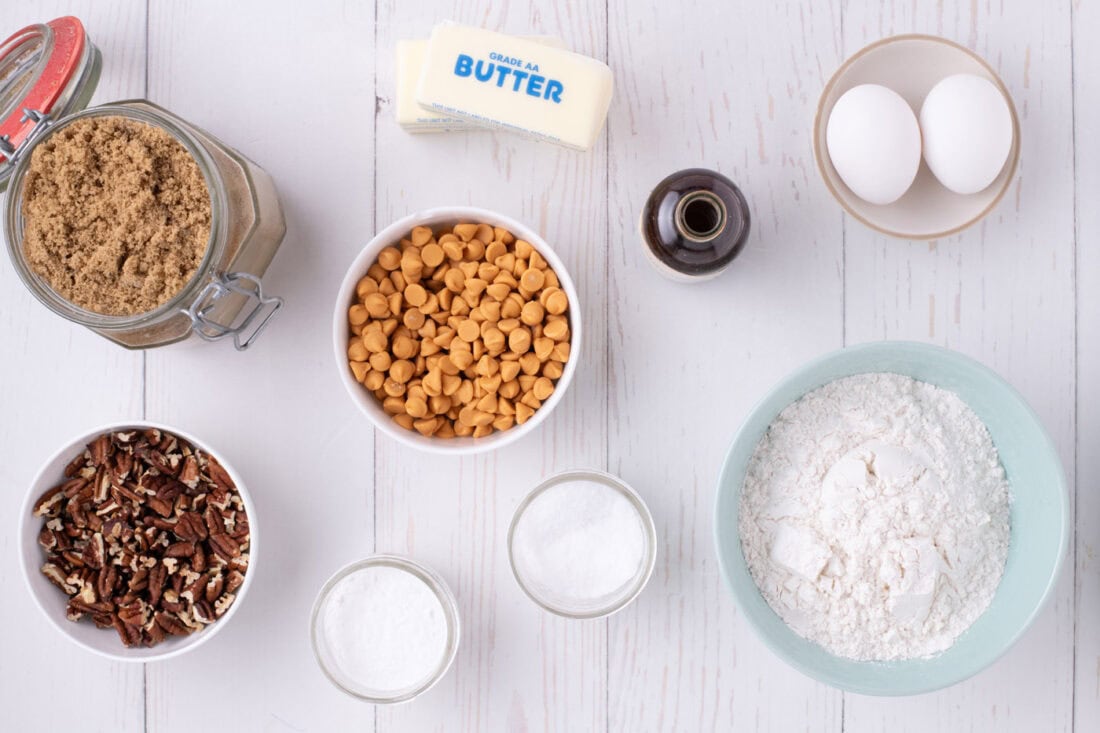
(52, 601)
(447, 216)
(911, 65)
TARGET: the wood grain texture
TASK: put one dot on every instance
(292, 88)
(1086, 95)
(668, 371)
(702, 84)
(518, 668)
(1002, 292)
(58, 380)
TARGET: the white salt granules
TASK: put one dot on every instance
(385, 629)
(874, 517)
(578, 544)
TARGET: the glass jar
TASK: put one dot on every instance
(225, 297)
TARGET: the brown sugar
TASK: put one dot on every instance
(116, 215)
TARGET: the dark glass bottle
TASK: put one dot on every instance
(693, 224)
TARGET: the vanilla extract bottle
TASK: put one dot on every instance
(694, 223)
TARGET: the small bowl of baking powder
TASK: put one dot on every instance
(385, 629)
(582, 544)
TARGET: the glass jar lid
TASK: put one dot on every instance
(46, 72)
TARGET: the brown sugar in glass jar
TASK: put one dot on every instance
(182, 284)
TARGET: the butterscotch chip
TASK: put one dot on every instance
(389, 258)
(414, 320)
(463, 358)
(523, 413)
(543, 388)
(475, 250)
(449, 331)
(532, 279)
(556, 302)
(468, 331)
(532, 313)
(416, 295)
(374, 341)
(357, 351)
(365, 287)
(416, 407)
(484, 233)
(433, 383)
(453, 249)
(402, 371)
(465, 232)
(426, 427)
(544, 347)
(519, 340)
(494, 340)
(509, 370)
(529, 363)
(432, 255)
(377, 305)
(357, 315)
(556, 330)
(498, 291)
(381, 361)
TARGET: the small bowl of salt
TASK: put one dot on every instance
(385, 629)
(582, 544)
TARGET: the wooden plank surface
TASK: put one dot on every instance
(1086, 137)
(687, 362)
(668, 372)
(58, 381)
(277, 410)
(519, 667)
(1002, 292)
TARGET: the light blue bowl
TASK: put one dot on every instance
(1039, 516)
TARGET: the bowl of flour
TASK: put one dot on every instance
(891, 518)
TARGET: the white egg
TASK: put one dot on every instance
(874, 143)
(967, 129)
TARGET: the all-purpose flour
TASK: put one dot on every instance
(874, 517)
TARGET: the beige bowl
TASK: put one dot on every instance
(911, 65)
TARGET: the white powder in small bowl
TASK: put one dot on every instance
(384, 631)
(579, 546)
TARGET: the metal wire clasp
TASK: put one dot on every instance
(257, 306)
(12, 153)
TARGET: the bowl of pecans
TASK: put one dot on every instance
(136, 541)
(457, 330)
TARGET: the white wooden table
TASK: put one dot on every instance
(306, 89)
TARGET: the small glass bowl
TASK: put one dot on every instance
(324, 656)
(606, 605)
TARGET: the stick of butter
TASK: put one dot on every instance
(516, 84)
(410, 115)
